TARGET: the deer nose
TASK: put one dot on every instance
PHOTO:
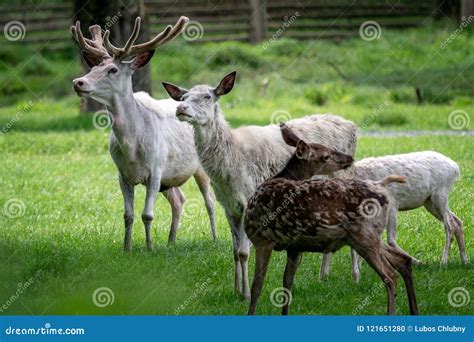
(79, 84)
(182, 108)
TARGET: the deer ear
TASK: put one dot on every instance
(175, 92)
(91, 62)
(289, 137)
(226, 84)
(302, 150)
(141, 59)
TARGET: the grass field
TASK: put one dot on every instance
(61, 226)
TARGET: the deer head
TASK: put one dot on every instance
(111, 66)
(313, 159)
(198, 105)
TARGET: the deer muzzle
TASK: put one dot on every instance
(81, 86)
(182, 112)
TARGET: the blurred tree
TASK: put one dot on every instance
(467, 9)
(118, 17)
(258, 20)
(448, 8)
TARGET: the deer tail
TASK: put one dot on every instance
(393, 179)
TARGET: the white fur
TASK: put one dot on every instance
(430, 178)
(162, 108)
(149, 146)
(238, 160)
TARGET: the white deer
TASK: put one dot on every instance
(238, 160)
(148, 144)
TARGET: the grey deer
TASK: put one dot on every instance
(238, 160)
(148, 144)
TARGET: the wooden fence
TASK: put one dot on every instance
(47, 26)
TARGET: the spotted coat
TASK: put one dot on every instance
(314, 215)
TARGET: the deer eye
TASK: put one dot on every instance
(207, 97)
(326, 158)
(113, 71)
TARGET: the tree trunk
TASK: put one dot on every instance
(141, 77)
(91, 13)
(119, 20)
(467, 9)
(447, 8)
(258, 20)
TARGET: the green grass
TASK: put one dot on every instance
(72, 233)
(69, 240)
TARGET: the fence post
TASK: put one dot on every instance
(258, 20)
(467, 9)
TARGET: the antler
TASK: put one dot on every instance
(129, 49)
(93, 48)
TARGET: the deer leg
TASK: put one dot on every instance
(234, 223)
(437, 205)
(128, 193)
(401, 261)
(392, 225)
(373, 255)
(325, 264)
(244, 251)
(355, 266)
(241, 245)
(176, 200)
(204, 186)
(293, 260)
(152, 188)
(458, 232)
(262, 258)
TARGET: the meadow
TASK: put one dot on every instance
(61, 224)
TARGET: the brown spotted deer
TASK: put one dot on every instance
(293, 213)
(148, 144)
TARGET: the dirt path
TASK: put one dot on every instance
(412, 133)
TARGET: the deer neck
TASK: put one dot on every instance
(295, 170)
(125, 114)
(215, 144)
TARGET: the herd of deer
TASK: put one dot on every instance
(262, 176)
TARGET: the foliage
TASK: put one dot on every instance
(56, 163)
